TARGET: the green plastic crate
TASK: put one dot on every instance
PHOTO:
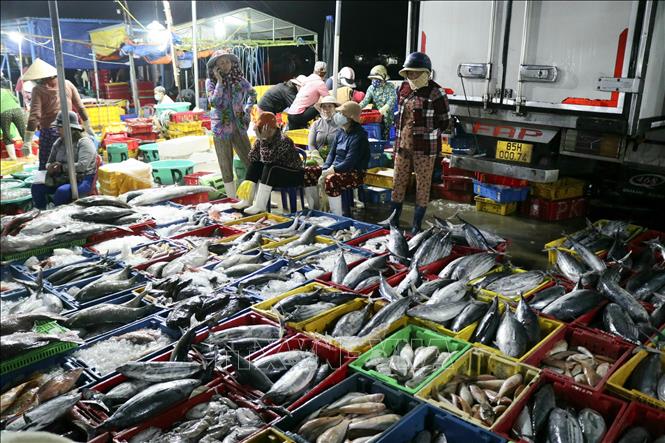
(43, 250)
(39, 354)
(417, 336)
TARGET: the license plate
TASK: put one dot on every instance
(514, 151)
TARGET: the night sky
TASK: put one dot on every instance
(368, 27)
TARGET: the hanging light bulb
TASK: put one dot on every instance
(220, 29)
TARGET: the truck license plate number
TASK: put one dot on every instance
(514, 151)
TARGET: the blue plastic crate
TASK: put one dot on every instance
(274, 267)
(365, 228)
(377, 146)
(63, 291)
(67, 305)
(22, 375)
(23, 270)
(376, 161)
(376, 195)
(398, 402)
(311, 213)
(500, 194)
(393, 133)
(427, 417)
(14, 271)
(373, 130)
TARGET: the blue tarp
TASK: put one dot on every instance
(76, 55)
(150, 52)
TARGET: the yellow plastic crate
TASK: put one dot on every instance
(260, 90)
(380, 177)
(253, 218)
(316, 328)
(270, 435)
(563, 188)
(552, 246)
(491, 294)
(473, 363)
(114, 128)
(265, 307)
(9, 167)
(617, 381)
(489, 205)
(101, 116)
(185, 126)
(318, 239)
(299, 136)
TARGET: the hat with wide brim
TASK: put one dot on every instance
(346, 82)
(403, 71)
(328, 99)
(300, 80)
(38, 70)
(222, 53)
(350, 110)
(73, 121)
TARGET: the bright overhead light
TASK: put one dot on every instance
(16, 37)
(235, 21)
(155, 26)
(157, 33)
(220, 29)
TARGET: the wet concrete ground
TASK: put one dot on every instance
(527, 236)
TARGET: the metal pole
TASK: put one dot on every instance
(195, 52)
(523, 50)
(60, 66)
(338, 22)
(94, 67)
(132, 66)
(186, 80)
(408, 30)
(490, 53)
(174, 60)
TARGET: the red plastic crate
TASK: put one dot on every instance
(135, 229)
(358, 241)
(492, 179)
(132, 143)
(180, 250)
(224, 200)
(370, 116)
(448, 170)
(147, 137)
(193, 179)
(457, 183)
(338, 359)
(193, 199)
(637, 244)
(594, 323)
(206, 123)
(554, 210)
(612, 409)
(439, 191)
(597, 344)
(393, 269)
(638, 414)
(218, 231)
(186, 116)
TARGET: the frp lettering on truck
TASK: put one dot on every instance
(514, 132)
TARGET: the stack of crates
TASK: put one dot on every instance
(146, 92)
(456, 184)
(141, 128)
(497, 194)
(185, 123)
(102, 116)
(117, 91)
(377, 158)
(104, 76)
(556, 201)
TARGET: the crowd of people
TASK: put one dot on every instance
(418, 109)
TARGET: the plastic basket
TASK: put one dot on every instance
(377, 196)
(380, 177)
(253, 218)
(473, 363)
(511, 299)
(562, 189)
(39, 354)
(500, 194)
(438, 191)
(488, 205)
(186, 116)
(617, 381)
(373, 130)
(554, 210)
(299, 136)
(370, 116)
(417, 337)
(319, 239)
(176, 107)
(500, 180)
(638, 414)
(193, 179)
(457, 183)
(270, 435)
(42, 250)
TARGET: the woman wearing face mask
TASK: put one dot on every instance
(422, 115)
(382, 95)
(348, 158)
(231, 97)
(161, 97)
(275, 162)
(45, 105)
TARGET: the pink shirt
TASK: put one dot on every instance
(313, 89)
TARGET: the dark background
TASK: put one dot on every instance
(369, 28)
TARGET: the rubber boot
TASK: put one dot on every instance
(312, 197)
(418, 216)
(230, 189)
(335, 204)
(261, 200)
(242, 204)
(393, 220)
(11, 151)
(356, 200)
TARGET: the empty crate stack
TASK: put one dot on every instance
(560, 200)
(185, 123)
(456, 184)
(498, 194)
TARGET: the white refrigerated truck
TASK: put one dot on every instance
(541, 83)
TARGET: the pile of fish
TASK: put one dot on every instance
(422, 249)
(216, 420)
(639, 434)
(648, 377)
(245, 340)
(119, 244)
(409, 365)
(556, 302)
(243, 243)
(175, 288)
(60, 257)
(466, 234)
(344, 235)
(305, 305)
(484, 397)
(14, 193)
(378, 245)
(322, 221)
(17, 343)
(511, 284)
(296, 227)
(166, 214)
(263, 222)
(149, 252)
(201, 307)
(598, 238)
(37, 301)
(305, 244)
(356, 415)
(577, 362)
(80, 271)
(326, 261)
(364, 275)
(542, 420)
(107, 284)
(151, 196)
(270, 284)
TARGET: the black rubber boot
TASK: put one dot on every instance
(393, 220)
(418, 216)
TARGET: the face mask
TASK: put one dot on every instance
(158, 97)
(376, 83)
(419, 82)
(340, 120)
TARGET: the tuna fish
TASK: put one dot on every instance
(511, 337)
(563, 427)
(488, 325)
(294, 382)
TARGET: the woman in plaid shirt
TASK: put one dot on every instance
(422, 115)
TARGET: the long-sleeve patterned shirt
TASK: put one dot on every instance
(384, 98)
(45, 105)
(280, 150)
(231, 107)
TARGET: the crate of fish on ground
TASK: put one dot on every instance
(510, 283)
(144, 256)
(639, 423)
(363, 276)
(581, 357)
(219, 413)
(320, 218)
(94, 266)
(270, 435)
(480, 387)
(258, 221)
(567, 303)
(59, 258)
(219, 211)
(11, 277)
(376, 241)
(349, 230)
(194, 259)
(289, 373)
(140, 340)
(499, 193)
(323, 263)
(305, 303)
(641, 378)
(597, 237)
(116, 245)
(359, 325)
(32, 344)
(211, 232)
(554, 409)
(354, 408)
(410, 358)
(632, 323)
(428, 424)
(268, 277)
(649, 239)
(300, 246)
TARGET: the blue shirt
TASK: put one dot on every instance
(350, 150)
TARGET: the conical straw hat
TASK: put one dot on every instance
(39, 69)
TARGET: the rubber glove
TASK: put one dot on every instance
(29, 136)
(244, 190)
